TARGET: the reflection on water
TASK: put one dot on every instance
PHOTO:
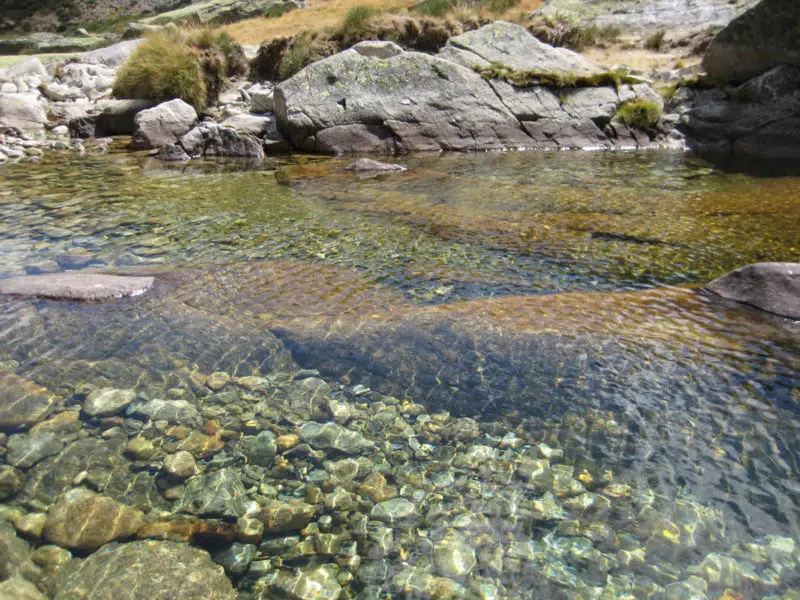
(533, 292)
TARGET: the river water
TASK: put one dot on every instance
(552, 297)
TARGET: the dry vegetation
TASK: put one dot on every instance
(322, 14)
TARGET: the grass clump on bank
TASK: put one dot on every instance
(655, 41)
(282, 57)
(188, 64)
(642, 114)
(525, 79)
(561, 31)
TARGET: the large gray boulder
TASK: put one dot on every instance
(222, 11)
(163, 124)
(144, 570)
(23, 112)
(76, 286)
(771, 287)
(511, 45)
(759, 118)
(408, 102)
(365, 100)
(649, 15)
(763, 37)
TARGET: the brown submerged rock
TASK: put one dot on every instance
(23, 402)
(76, 286)
(83, 520)
(144, 570)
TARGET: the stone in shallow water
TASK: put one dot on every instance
(261, 449)
(178, 412)
(180, 465)
(107, 401)
(453, 557)
(76, 286)
(217, 494)
(164, 570)
(10, 482)
(23, 402)
(24, 451)
(331, 436)
(367, 165)
(318, 583)
(84, 520)
(286, 516)
(394, 511)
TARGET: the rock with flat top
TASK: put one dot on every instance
(76, 286)
(367, 165)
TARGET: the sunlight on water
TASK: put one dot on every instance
(520, 341)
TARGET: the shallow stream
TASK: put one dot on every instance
(554, 298)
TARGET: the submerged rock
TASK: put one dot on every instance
(164, 570)
(771, 287)
(76, 286)
(217, 494)
(367, 165)
(107, 401)
(331, 436)
(23, 402)
(84, 520)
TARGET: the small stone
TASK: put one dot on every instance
(332, 436)
(50, 557)
(217, 494)
(176, 412)
(10, 482)
(23, 402)
(261, 449)
(462, 430)
(83, 520)
(395, 512)
(31, 524)
(217, 380)
(376, 488)
(286, 516)
(24, 450)
(201, 445)
(60, 131)
(107, 401)
(236, 559)
(140, 448)
(181, 465)
(314, 583)
(249, 529)
(453, 557)
(287, 441)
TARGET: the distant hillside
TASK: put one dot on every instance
(59, 15)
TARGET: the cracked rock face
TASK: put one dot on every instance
(358, 101)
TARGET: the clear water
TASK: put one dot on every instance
(554, 295)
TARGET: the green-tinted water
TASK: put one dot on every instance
(533, 292)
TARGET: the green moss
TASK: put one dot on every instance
(524, 79)
(642, 114)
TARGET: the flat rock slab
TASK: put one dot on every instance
(770, 286)
(76, 286)
(367, 165)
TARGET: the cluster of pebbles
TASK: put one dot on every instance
(303, 489)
